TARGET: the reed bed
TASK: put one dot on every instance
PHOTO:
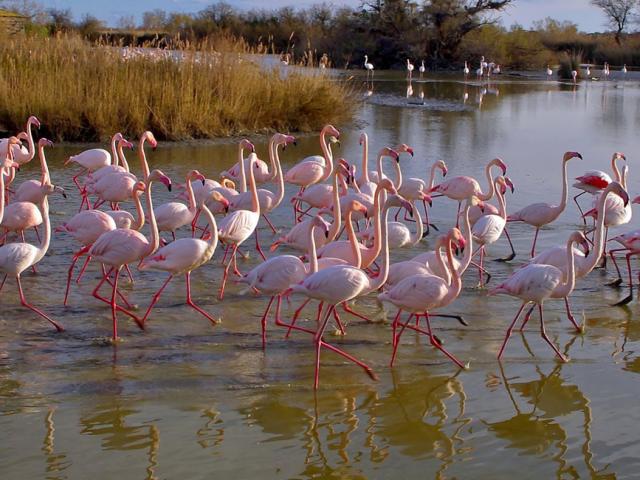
(84, 92)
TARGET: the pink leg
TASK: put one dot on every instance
(570, 315)
(338, 321)
(97, 295)
(4, 279)
(234, 257)
(510, 329)
(546, 339)
(436, 343)
(535, 239)
(513, 251)
(76, 256)
(295, 317)
(24, 302)
(263, 322)
(280, 323)
(191, 303)
(396, 336)
(37, 233)
(226, 272)
(273, 229)
(527, 317)
(258, 248)
(458, 215)
(114, 306)
(348, 309)
(629, 297)
(154, 300)
(84, 267)
(129, 274)
(226, 251)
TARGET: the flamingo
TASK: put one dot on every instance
(416, 189)
(584, 264)
(366, 185)
(489, 227)
(418, 294)
(274, 276)
(462, 187)
(23, 155)
(595, 181)
(93, 159)
(409, 69)
(182, 257)
(549, 71)
(34, 190)
(574, 76)
(465, 70)
(540, 214)
(588, 72)
(368, 67)
(7, 164)
(535, 283)
(171, 216)
(261, 172)
(421, 69)
(399, 234)
(630, 242)
(341, 283)
(15, 258)
(236, 227)
(119, 247)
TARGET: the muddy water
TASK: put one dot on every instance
(185, 399)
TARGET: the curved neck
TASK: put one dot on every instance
(565, 189)
(44, 179)
(255, 204)
(143, 158)
(598, 247)
(337, 212)
(191, 196)
(381, 279)
(502, 205)
(456, 282)
(566, 287)
(275, 162)
(243, 173)
(274, 170)
(328, 157)
(155, 239)
(468, 238)
(312, 252)
(432, 177)
(417, 236)
(122, 159)
(139, 222)
(2, 172)
(364, 174)
(353, 241)
(46, 235)
(213, 227)
(442, 265)
(30, 142)
(114, 153)
(378, 241)
(491, 189)
(614, 167)
(344, 188)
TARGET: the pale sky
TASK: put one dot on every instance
(587, 17)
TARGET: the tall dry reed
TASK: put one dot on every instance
(87, 92)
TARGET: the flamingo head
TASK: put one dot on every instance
(404, 148)
(218, 197)
(509, 184)
(501, 184)
(148, 136)
(195, 175)
(390, 152)
(124, 143)
(579, 238)
(159, 176)
(456, 238)
(244, 143)
(387, 184)
(427, 198)
(44, 142)
(478, 203)
(227, 183)
(619, 190)
(442, 166)
(619, 156)
(33, 120)
(363, 139)
(355, 206)
(139, 187)
(569, 155)
(117, 137)
(499, 163)
(284, 140)
(55, 189)
(319, 222)
(397, 200)
(636, 199)
(12, 141)
(331, 130)
(344, 170)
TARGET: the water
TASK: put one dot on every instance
(185, 399)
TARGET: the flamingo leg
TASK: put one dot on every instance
(338, 322)
(97, 295)
(4, 279)
(35, 228)
(273, 229)
(510, 329)
(263, 322)
(226, 272)
(129, 274)
(26, 304)
(396, 336)
(527, 316)
(234, 257)
(535, 239)
(348, 309)
(438, 344)
(82, 270)
(513, 250)
(76, 256)
(192, 304)
(458, 215)
(295, 316)
(543, 333)
(575, 199)
(154, 300)
(629, 297)
(114, 309)
(291, 326)
(570, 315)
(226, 251)
(618, 281)
(258, 248)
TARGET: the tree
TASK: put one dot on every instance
(89, 25)
(127, 22)
(619, 13)
(61, 20)
(154, 20)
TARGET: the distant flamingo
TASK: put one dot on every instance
(422, 69)
(409, 69)
(535, 283)
(540, 214)
(462, 187)
(588, 71)
(183, 256)
(171, 216)
(418, 294)
(549, 71)
(595, 181)
(35, 190)
(574, 76)
(236, 227)
(15, 258)
(368, 67)
(119, 247)
(465, 70)
(341, 283)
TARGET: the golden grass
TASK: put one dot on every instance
(86, 93)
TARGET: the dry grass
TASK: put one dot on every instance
(86, 93)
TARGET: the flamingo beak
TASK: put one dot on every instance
(201, 178)
(427, 198)
(408, 206)
(410, 150)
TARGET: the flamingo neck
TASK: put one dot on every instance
(364, 174)
(337, 212)
(502, 205)
(30, 142)
(378, 241)
(598, 247)
(143, 158)
(353, 241)
(279, 175)
(213, 227)
(274, 170)
(491, 187)
(44, 179)
(442, 265)
(11, 176)
(432, 177)
(328, 156)
(191, 196)
(417, 236)
(114, 153)
(313, 253)
(255, 204)
(566, 287)
(123, 159)
(381, 279)
(565, 190)
(614, 167)
(139, 222)
(46, 235)
(2, 172)
(456, 282)
(344, 188)
(468, 238)
(243, 172)
(155, 238)
(398, 170)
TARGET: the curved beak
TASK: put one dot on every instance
(410, 150)
(201, 178)
(427, 198)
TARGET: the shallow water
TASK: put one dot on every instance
(185, 399)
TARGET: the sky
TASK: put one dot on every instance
(524, 12)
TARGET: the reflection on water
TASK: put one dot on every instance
(185, 399)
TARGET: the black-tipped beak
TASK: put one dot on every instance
(295, 143)
(64, 195)
(203, 182)
(326, 234)
(169, 187)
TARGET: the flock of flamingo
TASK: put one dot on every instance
(340, 239)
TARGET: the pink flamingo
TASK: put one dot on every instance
(584, 264)
(23, 155)
(462, 187)
(7, 164)
(418, 294)
(122, 246)
(93, 159)
(341, 283)
(171, 216)
(313, 169)
(182, 257)
(399, 234)
(15, 258)
(236, 227)
(630, 242)
(387, 152)
(535, 283)
(35, 190)
(416, 189)
(366, 186)
(595, 181)
(540, 214)
(261, 169)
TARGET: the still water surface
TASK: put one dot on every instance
(186, 400)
